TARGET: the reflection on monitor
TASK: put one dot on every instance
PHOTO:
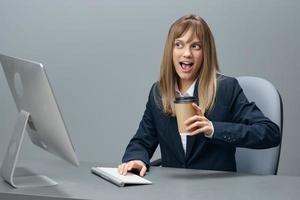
(39, 116)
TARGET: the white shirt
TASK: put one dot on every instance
(189, 92)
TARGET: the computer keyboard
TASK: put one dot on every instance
(112, 175)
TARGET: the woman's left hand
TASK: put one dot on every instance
(198, 123)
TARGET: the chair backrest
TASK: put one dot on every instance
(267, 98)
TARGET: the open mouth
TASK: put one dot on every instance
(186, 66)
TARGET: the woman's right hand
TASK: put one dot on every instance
(133, 165)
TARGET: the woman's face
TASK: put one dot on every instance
(187, 57)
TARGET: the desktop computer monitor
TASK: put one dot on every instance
(39, 116)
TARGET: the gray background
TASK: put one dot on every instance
(103, 56)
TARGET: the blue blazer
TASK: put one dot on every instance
(237, 123)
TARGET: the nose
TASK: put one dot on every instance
(187, 52)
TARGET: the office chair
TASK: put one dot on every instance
(268, 99)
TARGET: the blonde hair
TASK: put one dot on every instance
(207, 84)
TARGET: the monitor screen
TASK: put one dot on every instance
(33, 96)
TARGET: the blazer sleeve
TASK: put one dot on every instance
(247, 126)
(145, 141)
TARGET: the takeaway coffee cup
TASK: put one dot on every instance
(184, 110)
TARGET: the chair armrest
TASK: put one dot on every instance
(156, 162)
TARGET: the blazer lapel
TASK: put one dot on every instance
(189, 145)
(191, 139)
(175, 137)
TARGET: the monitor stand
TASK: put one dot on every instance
(9, 168)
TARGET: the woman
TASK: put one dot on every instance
(224, 120)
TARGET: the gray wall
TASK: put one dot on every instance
(103, 56)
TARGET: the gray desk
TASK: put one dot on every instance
(168, 183)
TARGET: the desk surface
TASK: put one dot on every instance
(168, 183)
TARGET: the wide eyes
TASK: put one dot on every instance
(180, 45)
(196, 46)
